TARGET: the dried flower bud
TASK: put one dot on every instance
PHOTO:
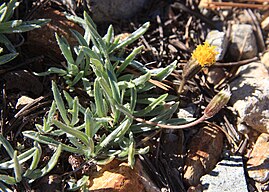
(216, 104)
(191, 69)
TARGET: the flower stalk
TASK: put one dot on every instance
(214, 106)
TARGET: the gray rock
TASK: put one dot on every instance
(250, 96)
(111, 10)
(215, 75)
(242, 35)
(228, 175)
(219, 40)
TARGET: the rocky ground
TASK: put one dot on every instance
(228, 152)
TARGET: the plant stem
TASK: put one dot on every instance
(184, 126)
(180, 89)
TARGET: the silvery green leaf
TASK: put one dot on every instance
(8, 11)
(142, 151)
(79, 38)
(89, 123)
(123, 153)
(8, 44)
(98, 67)
(18, 26)
(128, 59)
(96, 38)
(125, 85)
(65, 48)
(133, 99)
(76, 185)
(136, 64)
(7, 146)
(40, 127)
(75, 19)
(108, 38)
(52, 162)
(166, 71)
(160, 100)
(80, 58)
(7, 179)
(92, 54)
(53, 70)
(98, 98)
(7, 57)
(131, 151)
(51, 112)
(114, 87)
(120, 130)
(35, 161)
(77, 78)
(74, 112)
(49, 141)
(80, 135)
(69, 100)
(142, 79)
(134, 36)
(17, 167)
(166, 114)
(59, 103)
(105, 161)
(21, 159)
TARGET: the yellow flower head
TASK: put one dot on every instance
(205, 54)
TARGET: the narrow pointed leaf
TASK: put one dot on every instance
(7, 146)
(7, 179)
(74, 132)
(21, 159)
(65, 48)
(134, 36)
(52, 162)
(49, 141)
(74, 112)
(7, 57)
(127, 61)
(17, 167)
(59, 102)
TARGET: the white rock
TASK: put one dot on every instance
(186, 112)
(219, 40)
(250, 96)
(227, 176)
(243, 34)
(22, 101)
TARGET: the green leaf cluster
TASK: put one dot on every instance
(8, 26)
(17, 159)
(104, 129)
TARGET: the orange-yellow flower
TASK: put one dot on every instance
(205, 54)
